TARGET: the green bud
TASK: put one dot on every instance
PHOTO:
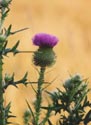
(2, 38)
(44, 57)
(77, 78)
(68, 84)
(5, 3)
(73, 81)
(7, 78)
(27, 117)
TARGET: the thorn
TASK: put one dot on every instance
(12, 33)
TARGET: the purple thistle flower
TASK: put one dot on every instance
(45, 40)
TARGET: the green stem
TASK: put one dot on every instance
(2, 18)
(2, 111)
(39, 95)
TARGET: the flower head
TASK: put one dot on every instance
(45, 40)
(73, 81)
(45, 55)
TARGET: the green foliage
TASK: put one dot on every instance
(7, 114)
(5, 3)
(49, 122)
(4, 50)
(13, 50)
(32, 114)
(9, 80)
(36, 113)
(46, 118)
(27, 117)
(71, 103)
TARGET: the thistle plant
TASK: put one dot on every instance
(43, 57)
(5, 112)
(71, 102)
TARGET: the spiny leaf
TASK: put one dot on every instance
(12, 123)
(8, 107)
(7, 113)
(46, 117)
(5, 44)
(87, 118)
(5, 14)
(27, 117)
(23, 80)
(31, 111)
(12, 33)
(49, 122)
(15, 83)
(15, 46)
(9, 50)
(8, 31)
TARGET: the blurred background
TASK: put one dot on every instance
(70, 21)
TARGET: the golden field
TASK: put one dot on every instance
(70, 21)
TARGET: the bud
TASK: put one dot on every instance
(7, 78)
(73, 82)
(2, 38)
(77, 78)
(5, 3)
(44, 57)
(68, 84)
(27, 117)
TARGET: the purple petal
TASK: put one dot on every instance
(45, 40)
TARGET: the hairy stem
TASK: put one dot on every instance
(39, 95)
(2, 18)
(2, 111)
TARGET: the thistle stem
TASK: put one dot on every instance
(26, 52)
(39, 95)
(2, 18)
(2, 111)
